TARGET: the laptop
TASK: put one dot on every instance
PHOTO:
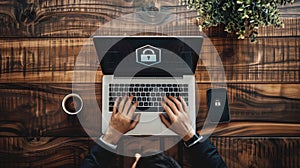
(148, 67)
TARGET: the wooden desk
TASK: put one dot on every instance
(40, 41)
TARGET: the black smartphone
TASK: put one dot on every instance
(217, 102)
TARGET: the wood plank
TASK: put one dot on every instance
(34, 109)
(258, 151)
(69, 19)
(48, 60)
(45, 151)
(69, 152)
(81, 18)
(257, 102)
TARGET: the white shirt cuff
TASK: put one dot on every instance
(114, 147)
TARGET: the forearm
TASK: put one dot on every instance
(205, 154)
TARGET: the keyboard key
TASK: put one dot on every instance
(147, 109)
(111, 104)
(110, 109)
(184, 94)
(141, 104)
(161, 109)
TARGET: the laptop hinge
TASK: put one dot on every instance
(149, 77)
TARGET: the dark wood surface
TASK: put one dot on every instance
(39, 44)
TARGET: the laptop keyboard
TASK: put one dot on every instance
(147, 95)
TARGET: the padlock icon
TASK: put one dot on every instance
(217, 103)
(148, 55)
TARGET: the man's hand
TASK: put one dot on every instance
(121, 120)
(179, 121)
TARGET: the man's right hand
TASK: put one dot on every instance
(179, 119)
(122, 120)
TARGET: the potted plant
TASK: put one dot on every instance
(242, 17)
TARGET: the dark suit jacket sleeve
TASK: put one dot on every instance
(204, 154)
(97, 157)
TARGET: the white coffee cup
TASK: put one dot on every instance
(72, 104)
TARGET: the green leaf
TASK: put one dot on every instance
(239, 2)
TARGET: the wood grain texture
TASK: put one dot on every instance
(270, 60)
(41, 40)
(69, 152)
(46, 151)
(256, 152)
(81, 18)
(34, 109)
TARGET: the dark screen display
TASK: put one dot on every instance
(178, 55)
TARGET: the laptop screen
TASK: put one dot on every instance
(148, 56)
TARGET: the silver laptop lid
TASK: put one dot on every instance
(148, 56)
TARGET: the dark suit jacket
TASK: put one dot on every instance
(202, 154)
